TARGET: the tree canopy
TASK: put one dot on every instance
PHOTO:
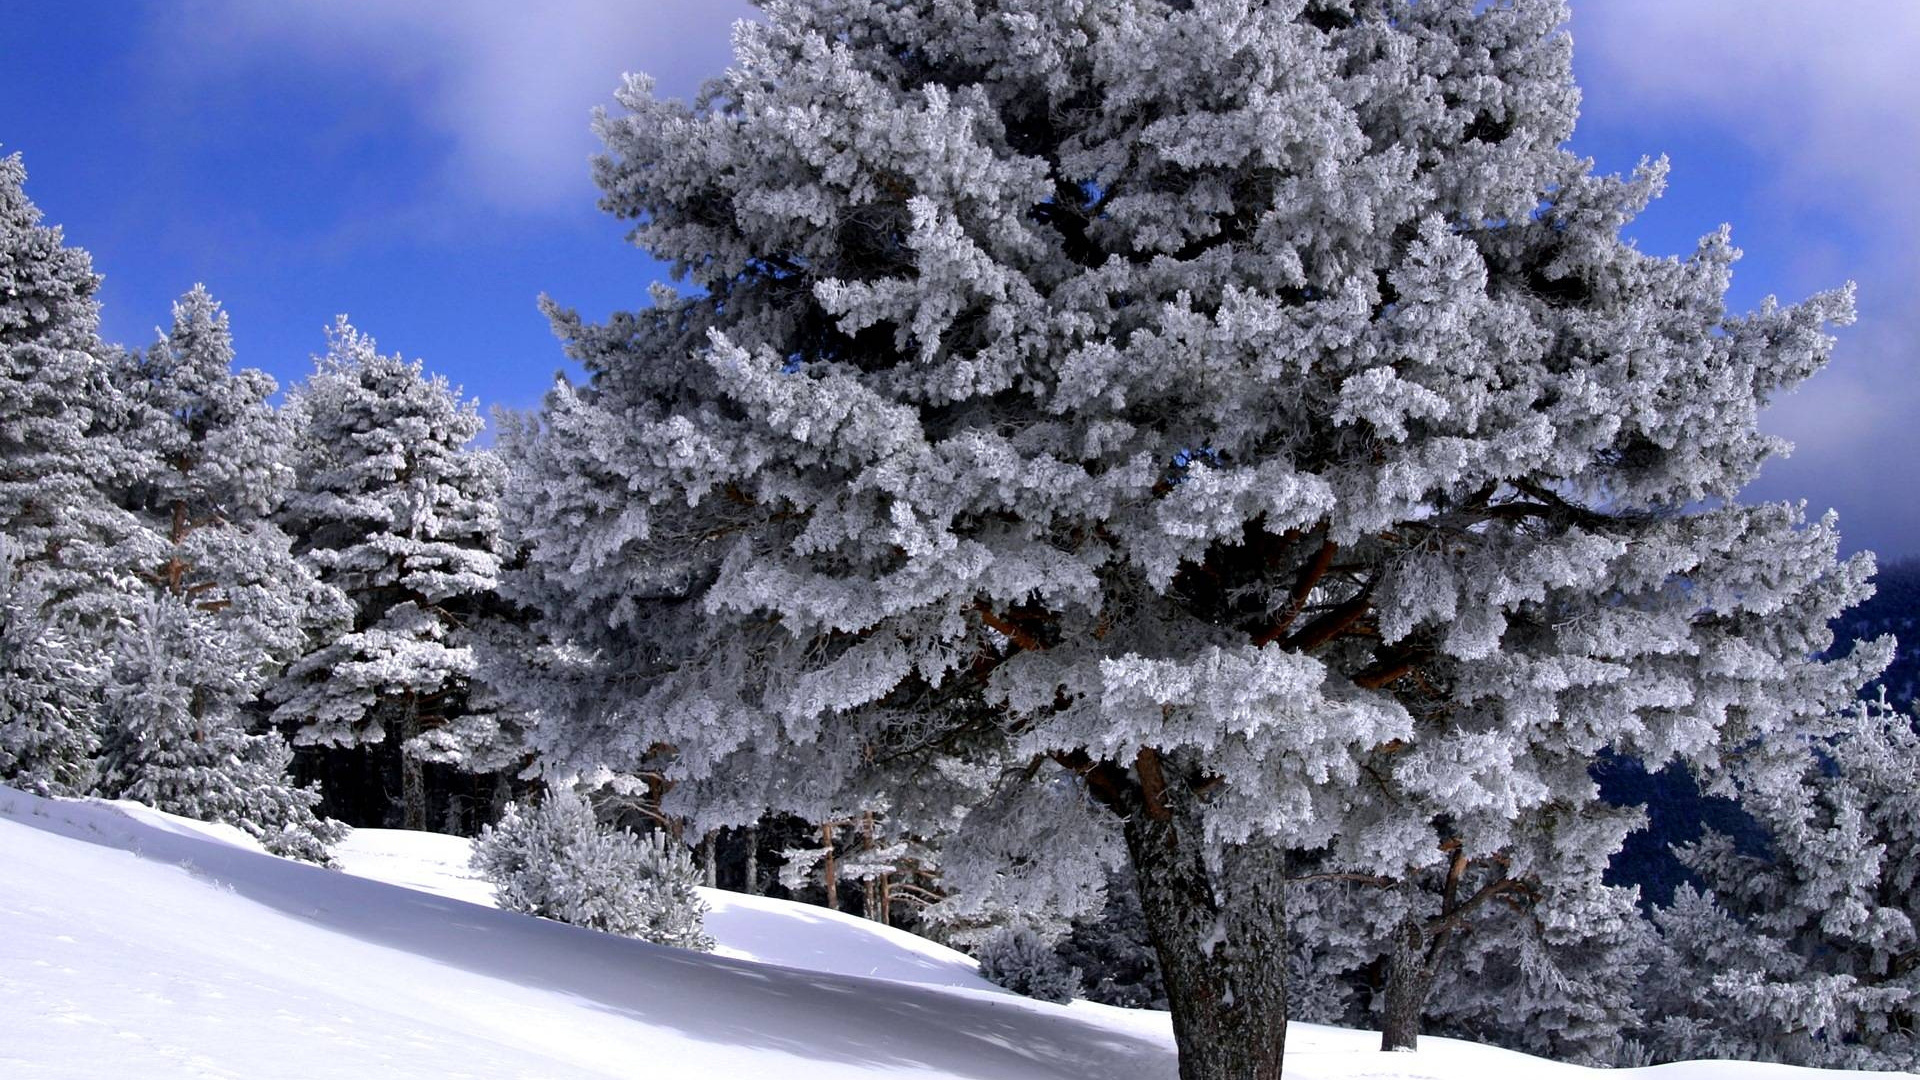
(1247, 413)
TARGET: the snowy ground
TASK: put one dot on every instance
(134, 944)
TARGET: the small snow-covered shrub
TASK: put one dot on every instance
(556, 861)
(1023, 962)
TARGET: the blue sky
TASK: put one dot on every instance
(427, 175)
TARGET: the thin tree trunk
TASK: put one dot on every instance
(502, 795)
(1409, 981)
(709, 859)
(1419, 948)
(1221, 939)
(413, 779)
(832, 871)
(752, 885)
(870, 898)
(176, 568)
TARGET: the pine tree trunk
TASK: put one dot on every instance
(710, 860)
(832, 871)
(502, 795)
(752, 885)
(413, 779)
(870, 888)
(1221, 939)
(1409, 980)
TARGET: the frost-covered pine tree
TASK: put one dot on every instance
(393, 508)
(48, 691)
(1469, 950)
(1557, 975)
(1216, 406)
(227, 605)
(1500, 928)
(177, 741)
(59, 417)
(216, 466)
(1025, 962)
(1807, 952)
(868, 851)
(1114, 952)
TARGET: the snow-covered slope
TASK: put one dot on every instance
(135, 944)
(746, 927)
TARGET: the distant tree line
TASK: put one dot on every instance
(231, 609)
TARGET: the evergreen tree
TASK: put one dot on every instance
(1558, 976)
(48, 691)
(1808, 952)
(227, 604)
(59, 418)
(1114, 952)
(215, 469)
(1020, 959)
(1514, 899)
(177, 742)
(1248, 414)
(1497, 951)
(1894, 608)
(866, 853)
(395, 510)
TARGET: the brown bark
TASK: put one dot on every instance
(752, 885)
(176, 567)
(832, 871)
(1303, 585)
(1410, 971)
(1331, 625)
(1420, 946)
(1221, 940)
(1008, 629)
(870, 904)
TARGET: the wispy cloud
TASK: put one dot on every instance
(1825, 99)
(508, 87)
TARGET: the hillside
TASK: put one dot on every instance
(133, 943)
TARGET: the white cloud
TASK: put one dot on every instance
(1824, 92)
(509, 85)
(1824, 98)
(1820, 93)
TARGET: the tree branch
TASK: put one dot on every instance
(1108, 783)
(1153, 783)
(1009, 630)
(1332, 624)
(1377, 880)
(1309, 576)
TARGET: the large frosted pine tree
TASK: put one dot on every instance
(216, 460)
(1245, 412)
(397, 511)
(174, 740)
